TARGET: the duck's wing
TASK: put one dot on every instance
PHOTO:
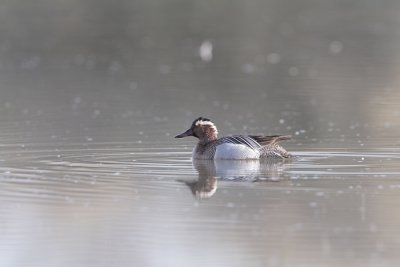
(241, 140)
(269, 140)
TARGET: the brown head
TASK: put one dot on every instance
(202, 128)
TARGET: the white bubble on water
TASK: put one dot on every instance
(206, 51)
(115, 67)
(248, 68)
(230, 205)
(90, 63)
(313, 204)
(335, 47)
(133, 85)
(96, 113)
(31, 63)
(273, 58)
(79, 59)
(293, 71)
(164, 69)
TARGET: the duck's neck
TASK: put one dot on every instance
(210, 134)
(206, 140)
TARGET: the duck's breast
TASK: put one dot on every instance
(235, 151)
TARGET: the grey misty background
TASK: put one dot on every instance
(92, 93)
(320, 67)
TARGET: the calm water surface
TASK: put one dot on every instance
(91, 96)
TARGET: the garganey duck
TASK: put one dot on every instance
(236, 147)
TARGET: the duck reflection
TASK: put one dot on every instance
(210, 171)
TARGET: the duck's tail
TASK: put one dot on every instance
(270, 139)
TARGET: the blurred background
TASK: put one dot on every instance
(92, 93)
(310, 65)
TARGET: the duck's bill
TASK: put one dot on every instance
(187, 133)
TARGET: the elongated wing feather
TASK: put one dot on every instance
(269, 140)
(240, 139)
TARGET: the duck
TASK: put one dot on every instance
(235, 147)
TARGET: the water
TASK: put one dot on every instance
(91, 95)
(120, 203)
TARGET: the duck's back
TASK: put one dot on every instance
(239, 147)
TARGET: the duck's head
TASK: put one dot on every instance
(202, 128)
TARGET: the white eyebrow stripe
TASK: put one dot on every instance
(198, 123)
